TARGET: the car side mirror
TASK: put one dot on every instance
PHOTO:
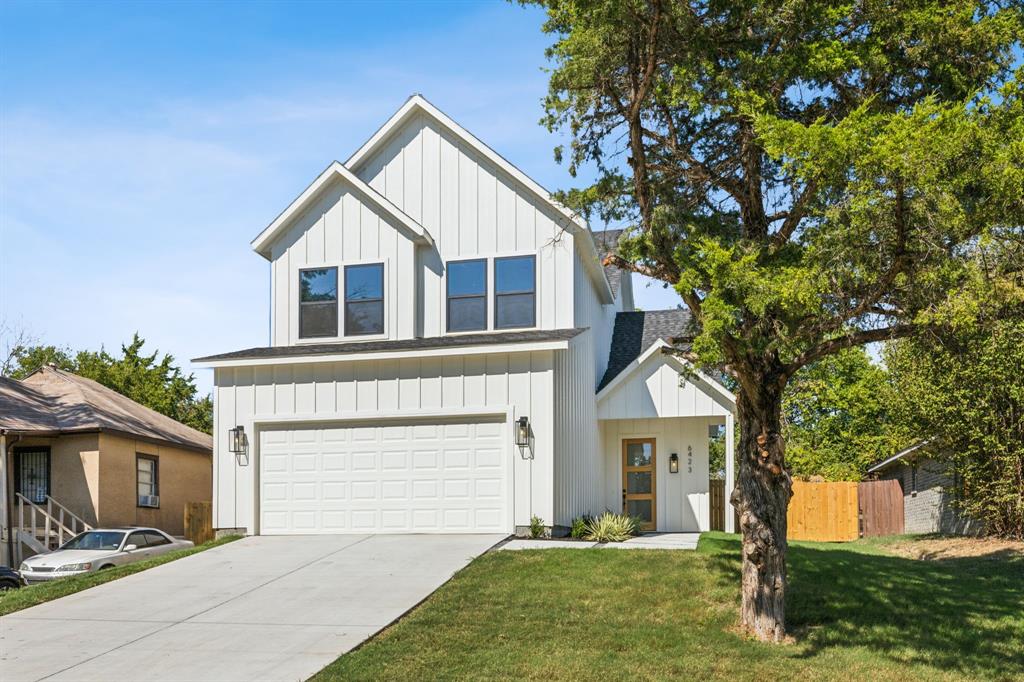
(130, 548)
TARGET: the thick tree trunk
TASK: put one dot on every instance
(761, 497)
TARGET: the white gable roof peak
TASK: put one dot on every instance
(417, 104)
(261, 244)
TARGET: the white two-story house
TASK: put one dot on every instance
(449, 355)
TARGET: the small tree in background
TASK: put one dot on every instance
(835, 417)
(966, 389)
(809, 176)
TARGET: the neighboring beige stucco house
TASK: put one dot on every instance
(75, 453)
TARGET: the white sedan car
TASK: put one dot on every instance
(97, 549)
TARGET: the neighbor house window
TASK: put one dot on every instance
(318, 302)
(515, 295)
(148, 480)
(467, 295)
(364, 299)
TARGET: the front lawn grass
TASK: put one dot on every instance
(25, 597)
(856, 612)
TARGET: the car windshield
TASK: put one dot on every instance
(95, 539)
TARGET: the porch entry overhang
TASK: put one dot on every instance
(664, 387)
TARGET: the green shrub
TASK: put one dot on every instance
(537, 529)
(609, 527)
(579, 527)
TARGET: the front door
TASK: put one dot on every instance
(638, 484)
(32, 473)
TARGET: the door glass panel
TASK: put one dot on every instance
(34, 479)
(638, 455)
(640, 509)
(638, 482)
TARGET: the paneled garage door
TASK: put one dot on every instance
(388, 477)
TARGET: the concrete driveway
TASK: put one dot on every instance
(262, 608)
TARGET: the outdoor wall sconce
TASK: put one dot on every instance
(237, 444)
(673, 463)
(523, 432)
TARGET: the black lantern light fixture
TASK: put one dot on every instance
(237, 443)
(673, 463)
(523, 432)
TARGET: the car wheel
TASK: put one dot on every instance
(8, 585)
(106, 566)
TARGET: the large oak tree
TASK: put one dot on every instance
(810, 176)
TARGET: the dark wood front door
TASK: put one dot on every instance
(32, 473)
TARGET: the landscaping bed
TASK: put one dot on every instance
(855, 611)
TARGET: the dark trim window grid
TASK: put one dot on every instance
(318, 302)
(515, 292)
(467, 295)
(364, 299)
(147, 479)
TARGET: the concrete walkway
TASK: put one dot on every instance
(262, 608)
(645, 541)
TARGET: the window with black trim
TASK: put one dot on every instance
(515, 292)
(364, 299)
(147, 479)
(467, 295)
(318, 302)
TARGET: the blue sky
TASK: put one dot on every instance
(144, 145)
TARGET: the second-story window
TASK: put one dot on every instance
(467, 295)
(364, 299)
(318, 302)
(515, 292)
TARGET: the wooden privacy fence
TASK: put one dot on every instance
(826, 512)
(199, 522)
(719, 505)
(881, 508)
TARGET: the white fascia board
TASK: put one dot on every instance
(389, 355)
(900, 455)
(656, 349)
(570, 220)
(262, 242)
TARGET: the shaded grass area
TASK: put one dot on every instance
(16, 600)
(856, 612)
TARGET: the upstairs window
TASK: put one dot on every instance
(318, 303)
(364, 299)
(515, 292)
(467, 295)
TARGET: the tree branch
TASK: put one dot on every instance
(858, 338)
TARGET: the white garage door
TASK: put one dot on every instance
(408, 477)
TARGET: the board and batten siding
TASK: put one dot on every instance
(681, 499)
(472, 209)
(655, 391)
(368, 389)
(339, 228)
(578, 472)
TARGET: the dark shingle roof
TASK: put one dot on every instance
(429, 343)
(635, 332)
(606, 242)
(54, 401)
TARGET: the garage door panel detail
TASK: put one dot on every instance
(394, 477)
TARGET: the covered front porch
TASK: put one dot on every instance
(656, 419)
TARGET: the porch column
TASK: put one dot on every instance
(730, 472)
(5, 528)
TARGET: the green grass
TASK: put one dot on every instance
(856, 613)
(16, 600)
